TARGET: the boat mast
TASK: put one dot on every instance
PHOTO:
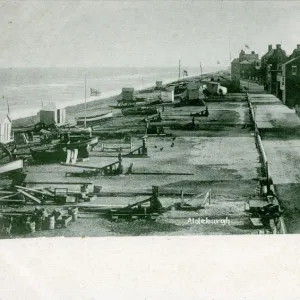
(179, 70)
(85, 101)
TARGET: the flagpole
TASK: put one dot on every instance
(201, 69)
(179, 71)
(85, 101)
(8, 110)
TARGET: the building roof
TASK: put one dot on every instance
(291, 60)
(127, 89)
(277, 56)
(3, 116)
(51, 106)
(267, 55)
(235, 61)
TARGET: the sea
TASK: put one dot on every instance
(25, 90)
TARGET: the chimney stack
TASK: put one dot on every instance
(252, 52)
(278, 46)
(298, 46)
(269, 48)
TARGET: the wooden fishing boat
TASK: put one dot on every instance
(11, 166)
(124, 104)
(48, 155)
(23, 129)
(131, 104)
(77, 142)
(140, 111)
(94, 120)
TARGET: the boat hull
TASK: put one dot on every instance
(139, 111)
(11, 166)
(48, 155)
(94, 120)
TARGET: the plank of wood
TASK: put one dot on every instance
(6, 192)
(29, 196)
(9, 196)
(83, 167)
(159, 173)
(34, 190)
(58, 182)
(257, 203)
(256, 222)
(12, 200)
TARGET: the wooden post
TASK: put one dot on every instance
(147, 126)
(155, 191)
(181, 196)
(131, 144)
(144, 146)
(209, 197)
(120, 166)
(267, 175)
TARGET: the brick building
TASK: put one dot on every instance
(290, 82)
(272, 63)
(296, 52)
(245, 66)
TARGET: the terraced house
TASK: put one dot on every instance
(289, 82)
(272, 63)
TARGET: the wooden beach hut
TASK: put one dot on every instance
(5, 128)
(193, 91)
(53, 113)
(127, 94)
(167, 95)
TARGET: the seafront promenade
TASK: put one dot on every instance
(280, 132)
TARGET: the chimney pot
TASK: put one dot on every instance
(269, 47)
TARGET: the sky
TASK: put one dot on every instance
(141, 33)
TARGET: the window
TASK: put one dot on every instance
(294, 70)
(279, 67)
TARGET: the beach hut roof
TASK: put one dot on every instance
(126, 89)
(51, 107)
(3, 116)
